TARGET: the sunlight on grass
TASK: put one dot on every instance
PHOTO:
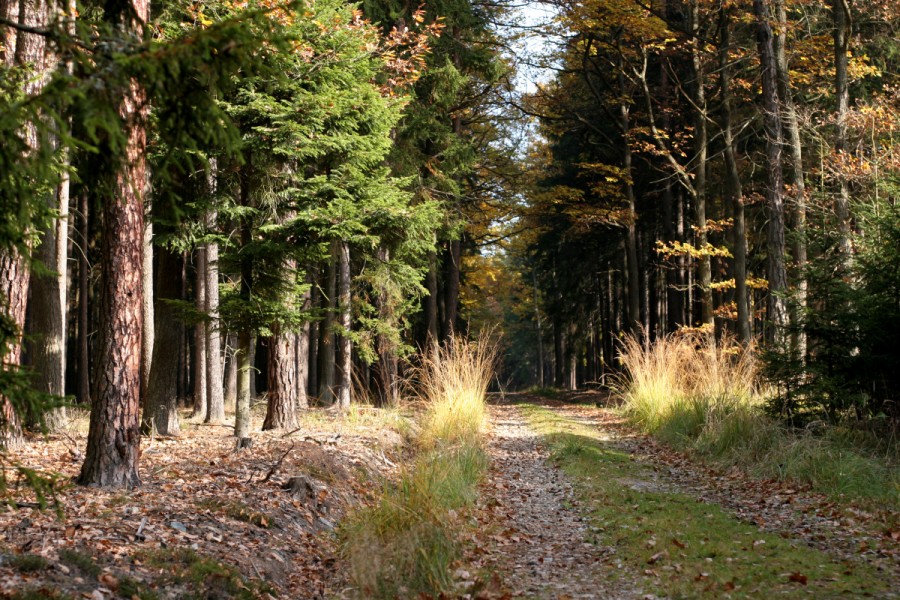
(704, 397)
(405, 544)
(675, 546)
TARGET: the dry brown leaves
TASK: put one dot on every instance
(198, 493)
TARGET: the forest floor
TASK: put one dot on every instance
(576, 505)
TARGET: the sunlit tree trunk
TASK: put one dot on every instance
(345, 346)
(200, 368)
(215, 388)
(281, 409)
(114, 434)
(797, 210)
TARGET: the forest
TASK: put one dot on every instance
(307, 298)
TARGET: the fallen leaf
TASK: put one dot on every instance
(798, 578)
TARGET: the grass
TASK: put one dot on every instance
(703, 397)
(405, 544)
(83, 562)
(670, 544)
(203, 576)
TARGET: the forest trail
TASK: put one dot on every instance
(537, 532)
(547, 534)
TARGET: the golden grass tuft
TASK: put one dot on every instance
(453, 384)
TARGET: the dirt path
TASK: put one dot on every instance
(535, 540)
(536, 533)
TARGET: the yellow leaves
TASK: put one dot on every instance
(676, 248)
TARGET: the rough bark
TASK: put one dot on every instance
(631, 259)
(776, 305)
(161, 402)
(114, 434)
(281, 409)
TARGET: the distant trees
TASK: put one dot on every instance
(716, 166)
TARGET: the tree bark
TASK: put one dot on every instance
(114, 433)
(704, 267)
(776, 305)
(149, 320)
(281, 410)
(733, 190)
(451, 287)
(161, 401)
(798, 182)
(345, 344)
(326, 351)
(84, 274)
(245, 335)
(842, 24)
(48, 293)
(215, 388)
(200, 369)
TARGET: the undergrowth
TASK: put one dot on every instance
(704, 397)
(405, 544)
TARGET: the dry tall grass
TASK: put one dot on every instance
(706, 397)
(680, 383)
(453, 384)
(405, 544)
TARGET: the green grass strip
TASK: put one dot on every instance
(673, 545)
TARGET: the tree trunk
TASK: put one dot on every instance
(704, 267)
(242, 408)
(539, 333)
(147, 338)
(345, 345)
(798, 182)
(451, 289)
(161, 402)
(733, 190)
(215, 388)
(281, 410)
(312, 387)
(114, 434)
(230, 372)
(84, 278)
(842, 24)
(48, 293)
(776, 305)
(200, 369)
(631, 261)
(245, 336)
(326, 351)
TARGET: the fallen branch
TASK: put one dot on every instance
(277, 465)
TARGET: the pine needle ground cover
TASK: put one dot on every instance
(406, 543)
(677, 546)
